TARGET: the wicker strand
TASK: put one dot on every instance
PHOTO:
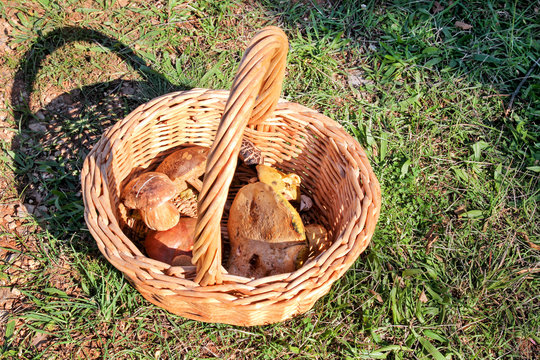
(255, 89)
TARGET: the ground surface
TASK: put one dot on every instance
(425, 87)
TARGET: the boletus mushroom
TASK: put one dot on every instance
(177, 241)
(185, 166)
(266, 233)
(287, 185)
(150, 193)
(249, 153)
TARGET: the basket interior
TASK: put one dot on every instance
(291, 141)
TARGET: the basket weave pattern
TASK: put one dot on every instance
(334, 169)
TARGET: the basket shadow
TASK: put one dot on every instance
(55, 139)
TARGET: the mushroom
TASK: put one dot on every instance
(305, 203)
(175, 242)
(150, 194)
(266, 233)
(185, 166)
(249, 153)
(287, 185)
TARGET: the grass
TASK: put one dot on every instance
(452, 271)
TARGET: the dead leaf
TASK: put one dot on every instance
(374, 151)
(8, 296)
(437, 7)
(462, 25)
(122, 3)
(377, 295)
(39, 339)
(356, 79)
(531, 244)
(430, 243)
(423, 298)
(460, 210)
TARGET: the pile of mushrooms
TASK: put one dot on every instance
(266, 233)
(170, 238)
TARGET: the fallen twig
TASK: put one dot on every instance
(528, 271)
(514, 94)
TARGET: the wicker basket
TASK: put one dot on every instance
(334, 169)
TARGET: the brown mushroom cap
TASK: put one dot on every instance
(184, 165)
(266, 233)
(150, 194)
(249, 153)
(181, 260)
(166, 245)
(148, 190)
(260, 213)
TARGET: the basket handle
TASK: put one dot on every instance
(253, 97)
